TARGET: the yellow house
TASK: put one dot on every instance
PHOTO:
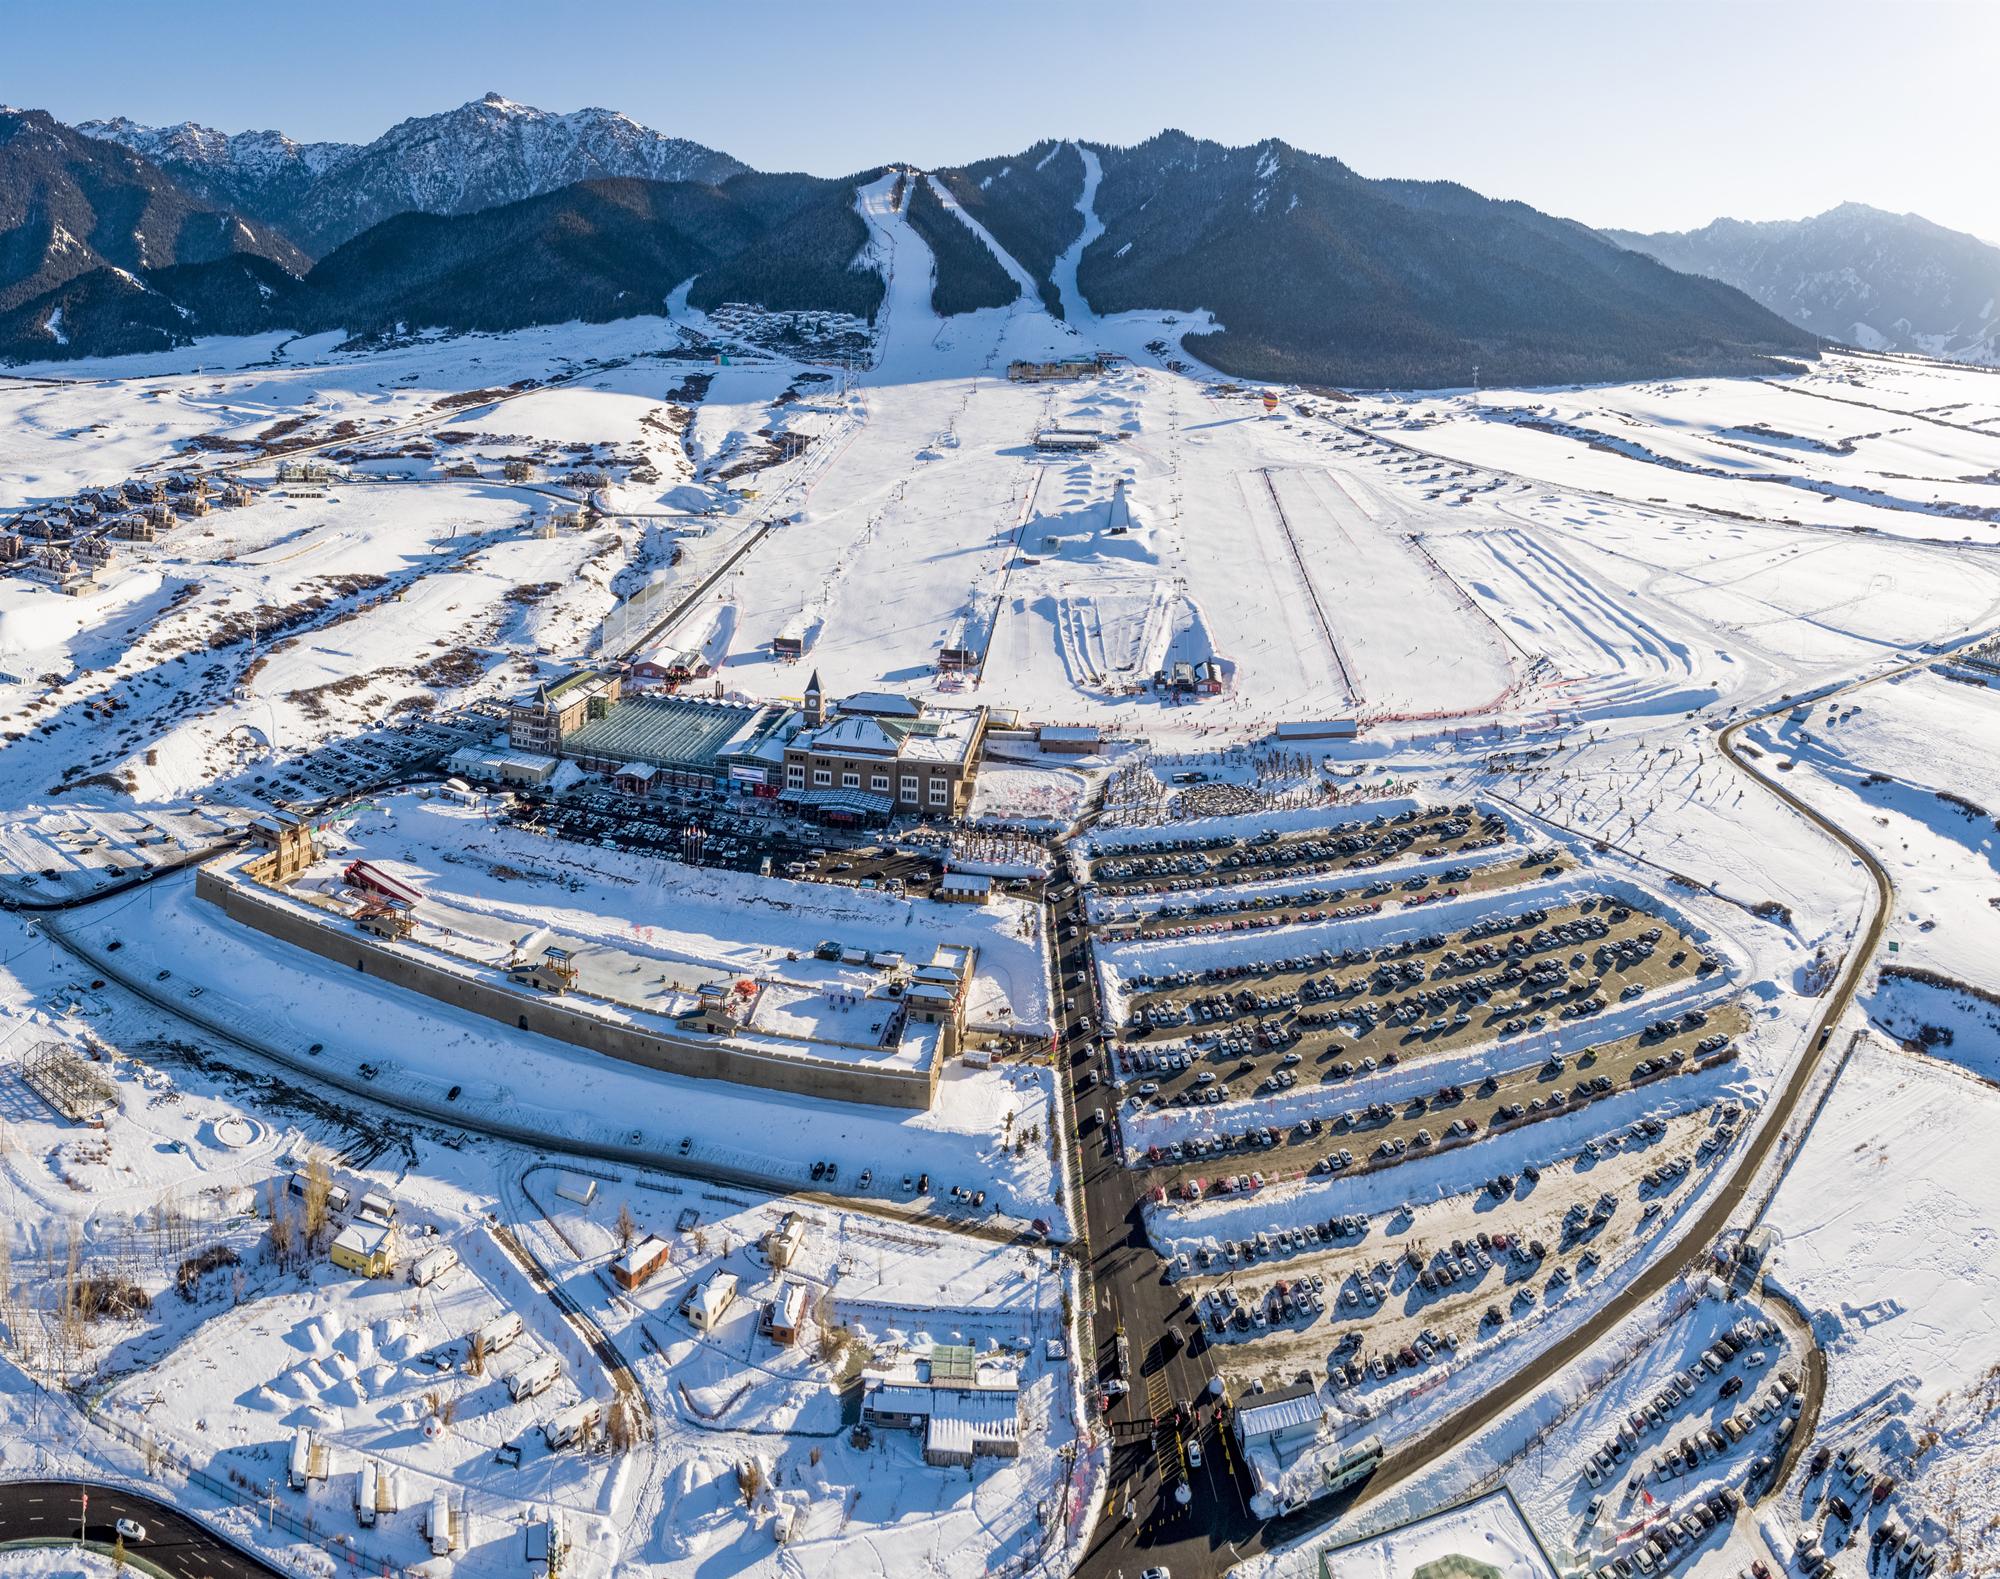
(364, 1248)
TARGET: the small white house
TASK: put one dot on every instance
(578, 1187)
(709, 1303)
(1282, 1422)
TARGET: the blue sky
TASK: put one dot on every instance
(1651, 116)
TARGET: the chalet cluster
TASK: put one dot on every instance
(70, 545)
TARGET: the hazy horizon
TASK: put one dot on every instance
(1631, 116)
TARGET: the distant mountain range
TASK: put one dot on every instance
(480, 155)
(496, 216)
(1855, 274)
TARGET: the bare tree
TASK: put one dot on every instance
(628, 1230)
(281, 1237)
(475, 1355)
(621, 1426)
(319, 1187)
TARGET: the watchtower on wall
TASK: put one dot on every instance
(288, 845)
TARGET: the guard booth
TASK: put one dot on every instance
(554, 972)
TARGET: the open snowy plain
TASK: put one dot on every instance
(1554, 599)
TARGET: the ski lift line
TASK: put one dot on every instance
(1312, 591)
(1035, 476)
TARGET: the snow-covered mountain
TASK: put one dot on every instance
(1319, 275)
(496, 216)
(264, 175)
(1859, 275)
(477, 156)
(72, 205)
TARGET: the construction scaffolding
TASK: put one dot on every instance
(64, 1079)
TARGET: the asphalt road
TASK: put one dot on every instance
(1215, 1531)
(1167, 1406)
(54, 1509)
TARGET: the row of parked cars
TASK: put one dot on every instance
(1279, 1242)
(1782, 1404)
(1665, 1405)
(1426, 1348)
(1672, 1539)
(1287, 1299)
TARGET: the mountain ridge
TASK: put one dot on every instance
(1312, 272)
(483, 154)
(70, 204)
(1857, 274)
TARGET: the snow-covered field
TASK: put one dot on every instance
(1887, 1229)
(1551, 598)
(1489, 1532)
(500, 890)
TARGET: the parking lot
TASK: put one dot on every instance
(722, 832)
(376, 759)
(1372, 1302)
(1378, 1133)
(1240, 1080)
(73, 854)
(1347, 844)
(1250, 1028)
(1221, 910)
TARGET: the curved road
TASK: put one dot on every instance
(40, 1510)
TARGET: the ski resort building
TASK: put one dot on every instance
(539, 721)
(1063, 369)
(878, 754)
(1280, 1422)
(861, 760)
(1069, 740)
(652, 743)
(1205, 677)
(670, 666)
(965, 888)
(528, 768)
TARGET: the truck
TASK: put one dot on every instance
(308, 1459)
(534, 1378)
(444, 1526)
(366, 1487)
